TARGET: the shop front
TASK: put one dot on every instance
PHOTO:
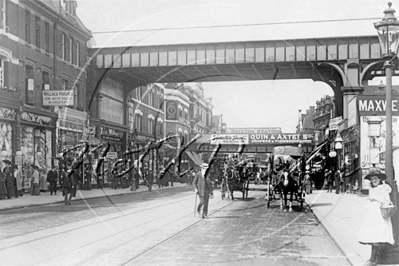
(116, 138)
(36, 142)
(71, 125)
(7, 134)
(373, 133)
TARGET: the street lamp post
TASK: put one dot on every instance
(338, 147)
(388, 35)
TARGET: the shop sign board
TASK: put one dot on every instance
(334, 123)
(256, 130)
(58, 98)
(236, 139)
(376, 104)
(283, 138)
(112, 155)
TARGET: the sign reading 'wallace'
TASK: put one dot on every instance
(376, 104)
(61, 98)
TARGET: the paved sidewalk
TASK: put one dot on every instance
(341, 215)
(44, 198)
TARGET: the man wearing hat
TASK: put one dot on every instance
(10, 182)
(203, 187)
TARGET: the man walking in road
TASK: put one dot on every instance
(338, 179)
(203, 187)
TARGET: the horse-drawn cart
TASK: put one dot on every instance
(283, 178)
(234, 179)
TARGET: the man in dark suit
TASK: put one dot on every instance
(203, 187)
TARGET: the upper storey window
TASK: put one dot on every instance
(70, 7)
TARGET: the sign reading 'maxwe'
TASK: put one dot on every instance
(376, 104)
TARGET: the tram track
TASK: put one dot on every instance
(172, 236)
(123, 213)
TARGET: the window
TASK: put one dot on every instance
(47, 37)
(2, 14)
(70, 49)
(1, 73)
(63, 46)
(131, 116)
(27, 26)
(77, 54)
(139, 93)
(64, 84)
(29, 85)
(151, 98)
(138, 122)
(76, 94)
(46, 84)
(150, 126)
(37, 32)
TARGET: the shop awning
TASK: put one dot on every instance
(315, 151)
(194, 157)
(294, 152)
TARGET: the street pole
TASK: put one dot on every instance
(388, 114)
(388, 30)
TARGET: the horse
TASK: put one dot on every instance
(232, 180)
(286, 184)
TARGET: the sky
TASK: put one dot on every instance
(243, 104)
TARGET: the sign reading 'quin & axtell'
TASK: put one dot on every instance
(376, 104)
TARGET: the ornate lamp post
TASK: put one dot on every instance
(338, 147)
(388, 35)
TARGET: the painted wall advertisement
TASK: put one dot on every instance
(372, 148)
(171, 110)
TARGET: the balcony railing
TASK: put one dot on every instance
(7, 93)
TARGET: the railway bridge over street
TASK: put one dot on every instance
(344, 63)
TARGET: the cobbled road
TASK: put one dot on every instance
(159, 228)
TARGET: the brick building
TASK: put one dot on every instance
(43, 47)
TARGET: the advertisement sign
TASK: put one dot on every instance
(112, 155)
(111, 110)
(376, 104)
(58, 98)
(171, 110)
(352, 112)
(112, 134)
(283, 138)
(235, 139)
(256, 130)
(334, 123)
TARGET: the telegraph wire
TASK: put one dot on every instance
(238, 25)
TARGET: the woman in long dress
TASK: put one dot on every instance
(43, 181)
(375, 229)
(308, 183)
